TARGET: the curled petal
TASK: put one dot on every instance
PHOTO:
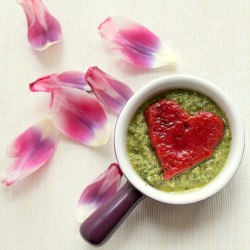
(71, 79)
(30, 150)
(80, 116)
(43, 29)
(135, 43)
(111, 92)
(99, 191)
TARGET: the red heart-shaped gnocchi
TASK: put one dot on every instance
(181, 141)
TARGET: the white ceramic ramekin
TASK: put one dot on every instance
(180, 82)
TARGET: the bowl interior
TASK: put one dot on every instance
(180, 82)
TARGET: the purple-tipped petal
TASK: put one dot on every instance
(71, 79)
(111, 92)
(80, 116)
(99, 191)
(43, 29)
(30, 150)
(135, 43)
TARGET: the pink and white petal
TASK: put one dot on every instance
(41, 38)
(111, 92)
(30, 150)
(80, 116)
(99, 191)
(43, 29)
(70, 79)
(135, 43)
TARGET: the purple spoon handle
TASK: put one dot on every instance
(101, 224)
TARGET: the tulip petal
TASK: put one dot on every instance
(111, 92)
(80, 116)
(30, 150)
(43, 29)
(135, 43)
(71, 79)
(99, 191)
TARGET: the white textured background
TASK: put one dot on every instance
(212, 41)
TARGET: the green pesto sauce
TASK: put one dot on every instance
(145, 161)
